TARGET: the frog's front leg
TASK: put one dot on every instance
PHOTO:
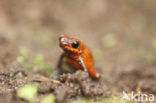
(81, 61)
(92, 71)
(59, 66)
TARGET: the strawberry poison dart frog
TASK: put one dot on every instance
(77, 55)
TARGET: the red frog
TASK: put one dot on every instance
(77, 55)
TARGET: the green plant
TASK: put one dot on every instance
(109, 40)
(28, 92)
(112, 99)
(33, 61)
(48, 99)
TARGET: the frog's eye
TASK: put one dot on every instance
(75, 44)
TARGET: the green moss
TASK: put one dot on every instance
(28, 92)
(154, 44)
(146, 56)
(48, 99)
(20, 59)
(23, 51)
(83, 100)
(109, 41)
(33, 61)
(112, 99)
(97, 53)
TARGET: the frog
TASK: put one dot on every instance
(77, 55)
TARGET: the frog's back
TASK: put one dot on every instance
(86, 56)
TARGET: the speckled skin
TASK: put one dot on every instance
(72, 56)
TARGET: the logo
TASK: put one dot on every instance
(138, 97)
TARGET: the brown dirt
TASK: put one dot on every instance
(75, 85)
(128, 66)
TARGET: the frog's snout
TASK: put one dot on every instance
(61, 36)
(63, 39)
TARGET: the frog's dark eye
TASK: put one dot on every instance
(75, 44)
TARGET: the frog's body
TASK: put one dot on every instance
(77, 55)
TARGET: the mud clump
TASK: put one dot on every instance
(83, 83)
(140, 78)
(72, 86)
(10, 80)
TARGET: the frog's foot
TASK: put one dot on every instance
(57, 72)
(93, 73)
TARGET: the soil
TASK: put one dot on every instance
(128, 66)
(70, 86)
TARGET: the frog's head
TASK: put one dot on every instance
(67, 42)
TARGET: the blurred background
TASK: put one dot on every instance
(120, 33)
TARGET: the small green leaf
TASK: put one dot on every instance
(48, 69)
(23, 51)
(97, 53)
(109, 41)
(154, 44)
(20, 59)
(48, 99)
(38, 59)
(28, 92)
